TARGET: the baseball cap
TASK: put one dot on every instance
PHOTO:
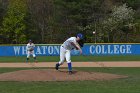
(80, 36)
(30, 40)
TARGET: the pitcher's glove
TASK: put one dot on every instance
(31, 49)
(81, 43)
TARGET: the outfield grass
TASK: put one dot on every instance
(128, 85)
(74, 58)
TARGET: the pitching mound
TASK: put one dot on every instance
(53, 75)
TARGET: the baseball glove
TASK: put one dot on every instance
(81, 43)
(31, 49)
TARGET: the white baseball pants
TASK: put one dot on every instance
(29, 53)
(64, 54)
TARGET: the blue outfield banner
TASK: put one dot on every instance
(88, 49)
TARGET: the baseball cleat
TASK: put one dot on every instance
(35, 61)
(70, 72)
(57, 66)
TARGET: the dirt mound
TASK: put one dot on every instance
(53, 75)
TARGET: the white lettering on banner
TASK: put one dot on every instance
(56, 50)
(116, 49)
(122, 49)
(47, 49)
(92, 49)
(108, 49)
(103, 49)
(53, 49)
(38, 50)
(17, 50)
(98, 49)
(24, 50)
(50, 49)
(44, 49)
(128, 51)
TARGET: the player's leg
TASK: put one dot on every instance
(68, 59)
(34, 56)
(28, 56)
(62, 58)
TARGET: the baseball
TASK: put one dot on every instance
(94, 32)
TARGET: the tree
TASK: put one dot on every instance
(117, 25)
(45, 21)
(77, 14)
(13, 25)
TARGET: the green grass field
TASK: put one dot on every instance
(128, 85)
(74, 58)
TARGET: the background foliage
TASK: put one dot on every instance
(53, 21)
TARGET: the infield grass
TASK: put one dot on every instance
(74, 58)
(127, 85)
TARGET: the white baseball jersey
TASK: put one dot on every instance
(67, 44)
(65, 49)
(30, 46)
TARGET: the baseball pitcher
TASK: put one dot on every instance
(65, 49)
(30, 50)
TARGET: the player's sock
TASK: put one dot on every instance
(34, 58)
(69, 66)
(27, 59)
